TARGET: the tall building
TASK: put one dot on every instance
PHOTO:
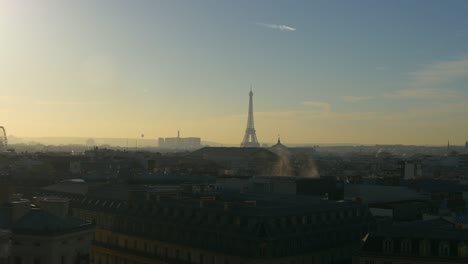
(3, 139)
(250, 137)
(179, 142)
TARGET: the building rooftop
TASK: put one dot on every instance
(433, 185)
(39, 222)
(232, 151)
(381, 194)
(429, 229)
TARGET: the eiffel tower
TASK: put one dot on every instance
(250, 138)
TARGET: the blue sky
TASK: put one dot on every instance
(322, 71)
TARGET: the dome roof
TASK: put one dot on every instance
(279, 148)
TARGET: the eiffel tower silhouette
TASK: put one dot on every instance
(250, 138)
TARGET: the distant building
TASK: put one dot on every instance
(378, 194)
(240, 161)
(411, 170)
(188, 143)
(3, 140)
(328, 188)
(280, 149)
(447, 194)
(432, 241)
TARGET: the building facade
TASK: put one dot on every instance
(42, 238)
(5, 246)
(420, 242)
(235, 230)
(188, 143)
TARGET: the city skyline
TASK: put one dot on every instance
(367, 72)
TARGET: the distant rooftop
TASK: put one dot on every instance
(39, 222)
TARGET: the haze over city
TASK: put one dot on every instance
(233, 132)
(364, 72)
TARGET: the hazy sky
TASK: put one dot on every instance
(322, 71)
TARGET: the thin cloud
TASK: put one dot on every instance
(323, 106)
(69, 103)
(354, 99)
(422, 94)
(277, 27)
(440, 73)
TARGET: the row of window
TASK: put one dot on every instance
(406, 247)
(108, 220)
(38, 244)
(38, 260)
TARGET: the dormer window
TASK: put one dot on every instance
(462, 249)
(444, 249)
(406, 246)
(424, 248)
(388, 245)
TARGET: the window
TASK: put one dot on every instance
(388, 246)
(37, 261)
(406, 246)
(155, 249)
(444, 249)
(369, 261)
(17, 260)
(424, 248)
(37, 244)
(262, 250)
(462, 249)
(62, 259)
